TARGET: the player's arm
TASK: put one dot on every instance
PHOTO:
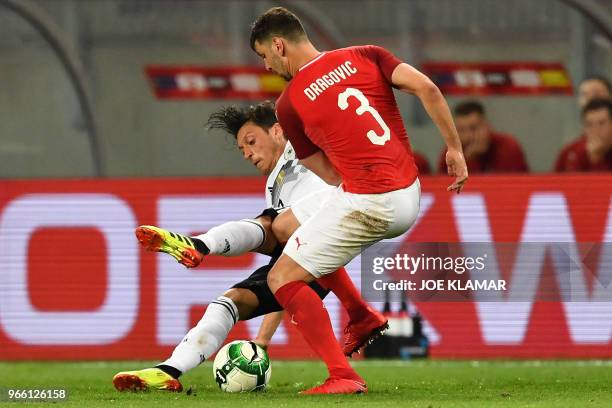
(268, 328)
(410, 80)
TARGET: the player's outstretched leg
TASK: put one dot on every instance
(183, 249)
(201, 342)
(143, 380)
(229, 239)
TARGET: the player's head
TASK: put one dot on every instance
(258, 135)
(595, 87)
(597, 119)
(471, 120)
(273, 35)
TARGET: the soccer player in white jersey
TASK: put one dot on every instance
(262, 142)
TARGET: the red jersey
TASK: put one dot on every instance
(504, 155)
(574, 157)
(342, 103)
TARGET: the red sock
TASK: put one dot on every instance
(343, 287)
(311, 318)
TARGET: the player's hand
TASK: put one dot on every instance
(455, 164)
(263, 343)
(478, 143)
(596, 148)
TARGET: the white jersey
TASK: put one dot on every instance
(289, 181)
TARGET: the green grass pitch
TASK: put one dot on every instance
(432, 383)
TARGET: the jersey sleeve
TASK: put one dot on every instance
(386, 61)
(293, 128)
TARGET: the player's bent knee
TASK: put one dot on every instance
(275, 280)
(236, 295)
(270, 241)
(286, 270)
(245, 300)
(284, 225)
(280, 274)
(266, 222)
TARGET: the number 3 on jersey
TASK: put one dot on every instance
(364, 106)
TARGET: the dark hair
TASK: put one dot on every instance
(232, 118)
(468, 107)
(597, 104)
(601, 79)
(277, 21)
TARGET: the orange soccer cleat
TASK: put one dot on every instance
(336, 385)
(358, 334)
(176, 245)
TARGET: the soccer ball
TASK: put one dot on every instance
(242, 366)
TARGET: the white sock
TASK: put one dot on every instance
(206, 337)
(234, 238)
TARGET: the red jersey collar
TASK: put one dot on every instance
(312, 60)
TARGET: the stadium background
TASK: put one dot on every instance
(77, 179)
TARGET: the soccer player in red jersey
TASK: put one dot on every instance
(340, 114)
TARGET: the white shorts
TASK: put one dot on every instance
(309, 205)
(336, 226)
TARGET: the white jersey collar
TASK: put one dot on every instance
(288, 153)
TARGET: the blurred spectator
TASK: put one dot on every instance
(421, 163)
(485, 150)
(594, 87)
(574, 156)
(593, 150)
